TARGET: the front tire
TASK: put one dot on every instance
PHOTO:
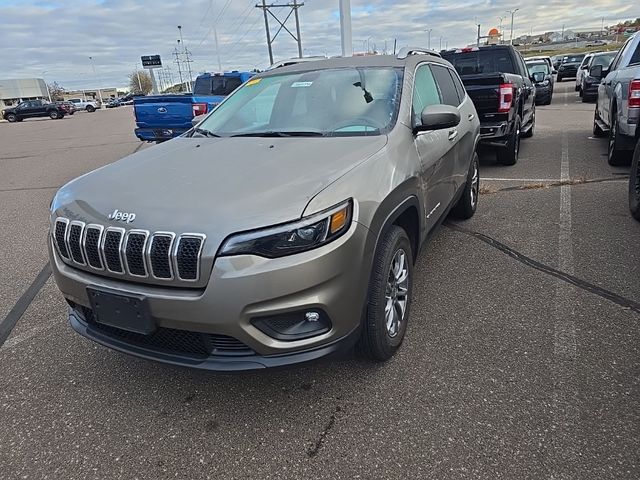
(389, 297)
(12, 117)
(468, 203)
(634, 184)
(529, 133)
(508, 155)
(597, 131)
(90, 109)
(615, 156)
(53, 115)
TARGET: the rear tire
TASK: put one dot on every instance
(634, 184)
(53, 115)
(559, 78)
(90, 108)
(389, 296)
(597, 131)
(508, 155)
(468, 203)
(529, 133)
(12, 117)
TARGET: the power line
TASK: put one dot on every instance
(293, 10)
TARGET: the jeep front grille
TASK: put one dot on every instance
(162, 256)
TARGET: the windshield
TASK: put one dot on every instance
(538, 67)
(346, 101)
(482, 61)
(573, 59)
(604, 60)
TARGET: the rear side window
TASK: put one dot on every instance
(485, 60)
(216, 85)
(458, 84)
(447, 88)
(425, 91)
(635, 58)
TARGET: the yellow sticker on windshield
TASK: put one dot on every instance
(253, 82)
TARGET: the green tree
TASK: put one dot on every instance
(140, 82)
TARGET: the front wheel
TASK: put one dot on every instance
(529, 133)
(508, 155)
(597, 131)
(53, 115)
(615, 156)
(389, 297)
(468, 203)
(12, 117)
(90, 109)
(634, 184)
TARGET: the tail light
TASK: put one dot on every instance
(505, 97)
(634, 94)
(199, 109)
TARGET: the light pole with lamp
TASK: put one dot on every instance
(512, 12)
(93, 65)
(428, 30)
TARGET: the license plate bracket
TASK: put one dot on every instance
(126, 312)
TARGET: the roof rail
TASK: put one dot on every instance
(406, 51)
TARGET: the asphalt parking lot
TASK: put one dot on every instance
(522, 356)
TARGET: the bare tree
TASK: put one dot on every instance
(56, 91)
(140, 82)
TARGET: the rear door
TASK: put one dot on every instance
(436, 152)
(528, 90)
(606, 88)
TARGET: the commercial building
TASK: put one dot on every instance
(13, 91)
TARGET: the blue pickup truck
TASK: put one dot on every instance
(162, 117)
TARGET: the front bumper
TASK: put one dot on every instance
(158, 134)
(332, 279)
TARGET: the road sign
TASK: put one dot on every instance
(151, 61)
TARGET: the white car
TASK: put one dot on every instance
(582, 71)
(88, 105)
(544, 58)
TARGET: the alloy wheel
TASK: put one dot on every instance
(475, 185)
(396, 293)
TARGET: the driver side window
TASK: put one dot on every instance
(425, 92)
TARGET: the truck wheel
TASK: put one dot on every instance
(389, 297)
(508, 155)
(54, 115)
(466, 206)
(559, 78)
(90, 108)
(597, 131)
(12, 117)
(634, 184)
(529, 133)
(615, 156)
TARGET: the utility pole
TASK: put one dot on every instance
(478, 37)
(177, 61)
(500, 30)
(187, 60)
(512, 12)
(93, 65)
(215, 36)
(293, 10)
(602, 28)
(563, 32)
(345, 28)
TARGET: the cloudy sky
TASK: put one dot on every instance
(54, 39)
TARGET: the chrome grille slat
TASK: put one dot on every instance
(138, 254)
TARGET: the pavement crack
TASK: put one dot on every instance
(490, 190)
(565, 277)
(314, 448)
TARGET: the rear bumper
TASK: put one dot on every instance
(158, 134)
(494, 134)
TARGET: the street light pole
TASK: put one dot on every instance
(500, 30)
(512, 12)
(93, 65)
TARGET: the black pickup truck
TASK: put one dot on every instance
(497, 80)
(32, 109)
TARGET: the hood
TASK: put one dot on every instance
(214, 186)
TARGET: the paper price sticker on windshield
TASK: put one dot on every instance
(301, 84)
(253, 82)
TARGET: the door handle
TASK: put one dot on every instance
(452, 135)
(471, 116)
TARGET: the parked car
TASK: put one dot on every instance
(618, 105)
(582, 70)
(68, 107)
(569, 66)
(282, 228)
(543, 81)
(83, 104)
(114, 102)
(556, 60)
(596, 43)
(163, 117)
(589, 86)
(634, 181)
(33, 109)
(498, 82)
(543, 58)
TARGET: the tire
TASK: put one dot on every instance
(580, 93)
(11, 117)
(559, 78)
(71, 113)
(378, 341)
(634, 184)
(529, 133)
(509, 155)
(597, 131)
(54, 115)
(468, 203)
(90, 108)
(615, 156)
(577, 89)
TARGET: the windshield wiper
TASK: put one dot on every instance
(273, 133)
(204, 132)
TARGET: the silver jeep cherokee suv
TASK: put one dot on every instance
(283, 227)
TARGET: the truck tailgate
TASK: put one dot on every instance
(162, 111)
(483, 90)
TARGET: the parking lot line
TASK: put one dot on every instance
(495, 179)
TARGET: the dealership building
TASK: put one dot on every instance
(13, 91)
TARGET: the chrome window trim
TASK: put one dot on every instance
(104, 257)
(198, 256)
(170, 255)
(68, 244)
(64, 236)
(99, 246)
(147, 267)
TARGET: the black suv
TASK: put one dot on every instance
(569, 66)
(32, 109)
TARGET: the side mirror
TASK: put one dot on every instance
(538, 77)
(596, 71)
(585, 67)
(554, 71)
(196, 120)
(437, 117)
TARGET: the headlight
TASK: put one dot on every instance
(294, 237)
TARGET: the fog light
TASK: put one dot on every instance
(294, 325)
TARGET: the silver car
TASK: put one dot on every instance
(283, 227)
